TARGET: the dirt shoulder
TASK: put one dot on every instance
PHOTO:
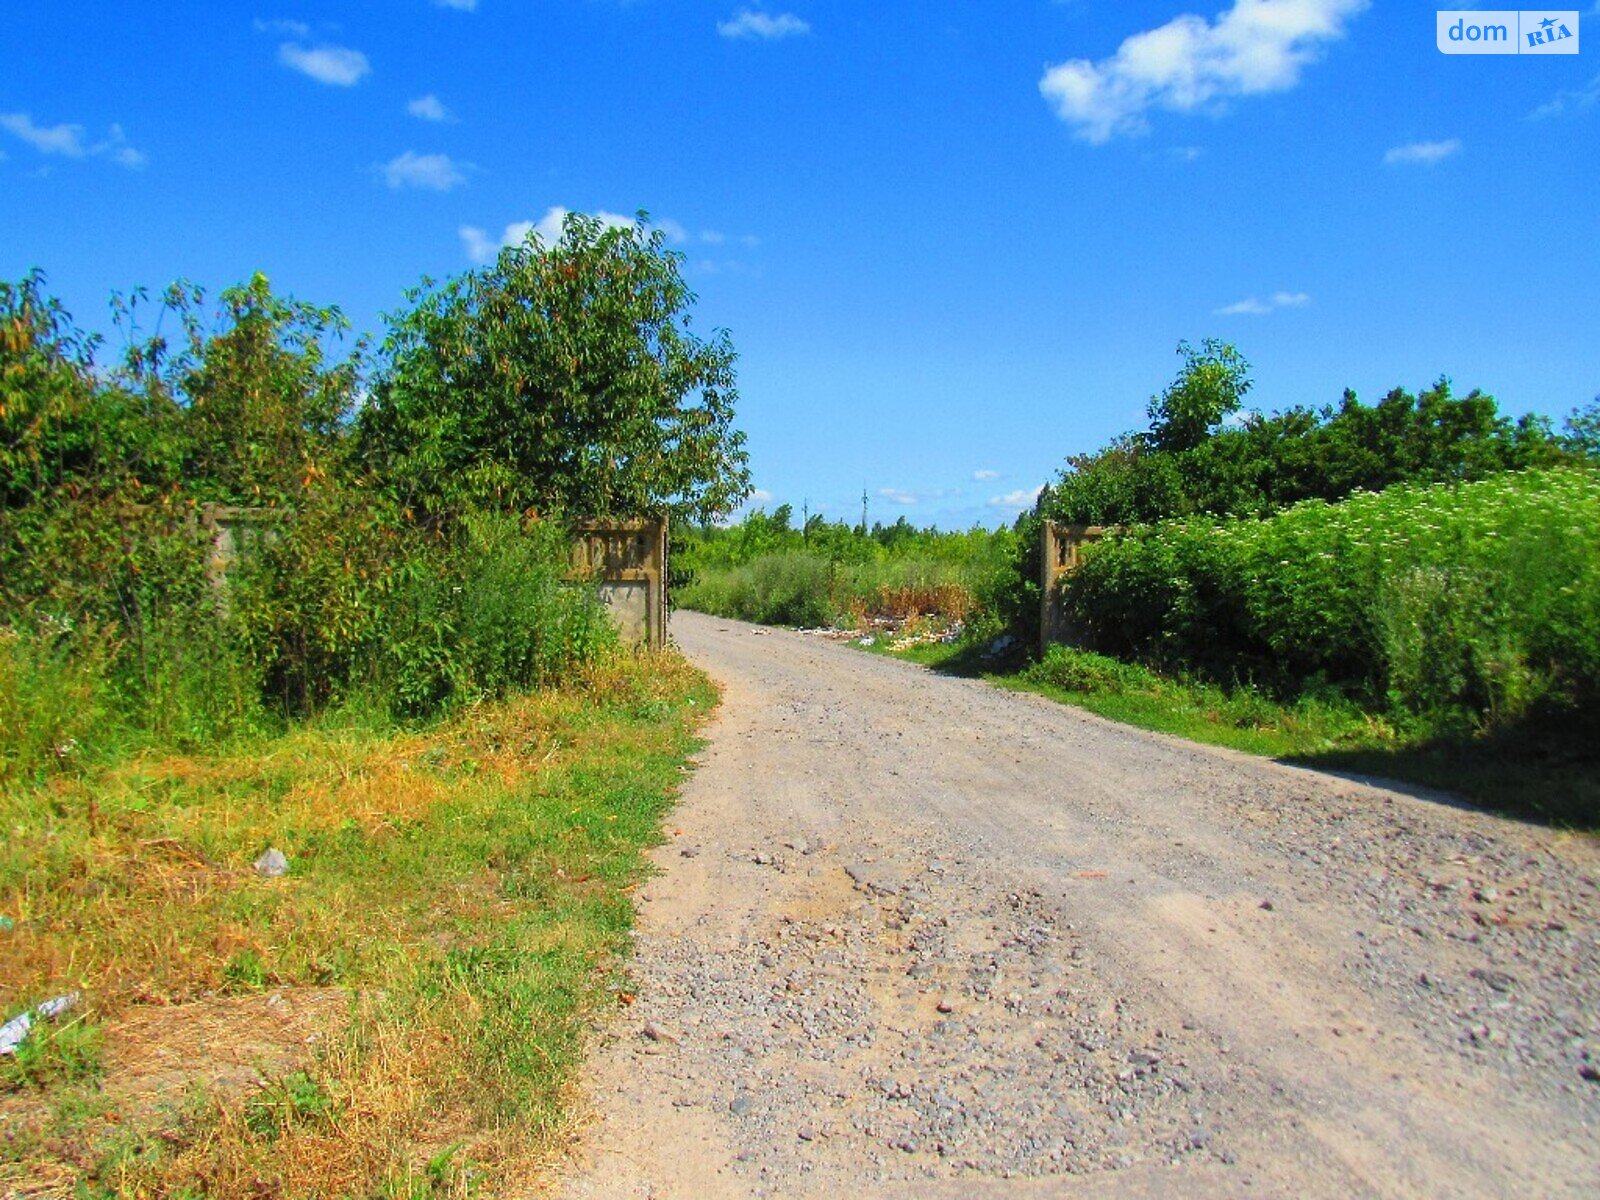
(917, 936)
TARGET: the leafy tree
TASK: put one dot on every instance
(1211, 387)
(561, 377)
(1272, 461)
(48, 434)
(263, 408)
(1582, 434)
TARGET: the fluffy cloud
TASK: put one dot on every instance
(1191, 64)
(1575, 100)
(1253, 307)
(1423, 153)
(458, 5)
(900, 496)
(63, 139)
(428, 108)
(762, 26)
(435, 172)
(1019, 499)
(985, 476)
(335, 65)
(482, 248)
(68, 141)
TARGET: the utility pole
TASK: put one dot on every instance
(863, 510)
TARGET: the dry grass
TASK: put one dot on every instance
(952, 601)
(401, 1014)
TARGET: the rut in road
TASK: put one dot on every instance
(918, 936)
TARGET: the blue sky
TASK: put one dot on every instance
(954, 242)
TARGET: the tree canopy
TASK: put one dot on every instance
(560, 377)
(1184, 464)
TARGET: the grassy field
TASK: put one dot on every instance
(1548, 774)
(400, 1015)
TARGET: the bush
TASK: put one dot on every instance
(775, 589)
(1476, 602)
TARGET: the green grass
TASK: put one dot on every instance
(467, 886)
(1545, 773)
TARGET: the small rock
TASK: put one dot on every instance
(1498, 980)
(1265, 906)
(806, 1134)
(945, 1006)
(657, 1034)
(1590, 1072)
(272, 864)
(740, 1106)
(690, 852)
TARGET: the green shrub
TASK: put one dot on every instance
(1476, 602)
(774, 589)
(1076, 670)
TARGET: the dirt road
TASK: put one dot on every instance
(916, 936)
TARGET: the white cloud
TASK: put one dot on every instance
(428, 108)
(336, 65)
(436, 172)
(481, 248)
(713, 237)
(759, 496)
(676, 233)
(116, 148)
(762, 26)
(1019, 499)
(985, 475)
(1574, 100)
(1423, 153)
(1253, 307)
(458, 5)
(1185, 154)
(68, 141)
(297, 29)
(900, 496)
(1191, 64)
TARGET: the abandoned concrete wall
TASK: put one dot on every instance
(1059, 556)
(629, 558)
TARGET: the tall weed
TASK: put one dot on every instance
(1476, 603)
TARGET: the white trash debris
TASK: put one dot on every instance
(15, 1030)
(272, 864)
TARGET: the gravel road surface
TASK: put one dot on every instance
(915, 936)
